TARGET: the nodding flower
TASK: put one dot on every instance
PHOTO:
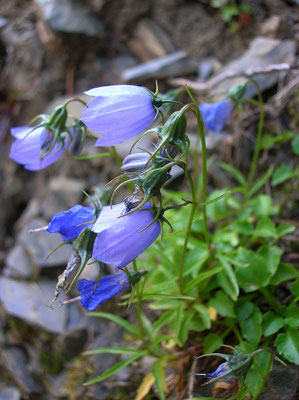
(119, 112)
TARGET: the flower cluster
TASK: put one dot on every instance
(119, 233)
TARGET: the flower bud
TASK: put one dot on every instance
(136, 162)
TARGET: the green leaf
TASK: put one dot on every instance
(262, 266)
(265, 228)
(295, 145)
(179, 320)
(260, 182)
(253, 381)
(116, 368)
(185, 327)
(239, 177)
(268, 141)
(118, 320)
(271, 323)
(228, 12)
(204, 315)
(202, 277)
(288, 345)
(112, 350)
(284, 273)
(252, 327)
(282, 174)
(295, 288)
(164, 319)
(284, 229)
(159, 374)
(223, 305)
(211, 343)
(244, 309)
(231, 276)
(262, 205)
(292, 316)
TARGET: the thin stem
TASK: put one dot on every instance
(116, 156)
(92, 156)
(139, 316)
(258, 140)
(188, 231)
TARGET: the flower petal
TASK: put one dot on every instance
(123, 241)
(69, 223)
(214, 115)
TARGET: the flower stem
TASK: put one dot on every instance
(258, 140)
(188, 231)
(116, 156)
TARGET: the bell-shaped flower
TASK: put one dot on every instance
(136, 162)
(214, 115)
(30, 146)
(121, 238)
(69, 224)
(119, 112)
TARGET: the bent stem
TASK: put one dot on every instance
(258, 140)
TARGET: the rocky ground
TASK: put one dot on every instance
(51, 50)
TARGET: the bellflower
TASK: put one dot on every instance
(136, 162)
(69, 223)
(119, 239)
(119, 112)
(214, 115)
(30, 145)
(107, 287)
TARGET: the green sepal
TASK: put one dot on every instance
(83, 246)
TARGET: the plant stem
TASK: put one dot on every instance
(188, 231)
(116, 156)
(139, 317)
(258, 140)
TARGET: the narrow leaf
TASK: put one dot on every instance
(118, 320)
(113, 370)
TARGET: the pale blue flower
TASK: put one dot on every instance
(119, 112)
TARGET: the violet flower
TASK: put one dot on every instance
(107, 287)
(214, 115)
(119, 112)
(136, 162)
(69, 224)
(119, 239)
(29, 146)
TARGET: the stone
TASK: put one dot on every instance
(10, 393)
(70, 343)
(38, 245)
(71, 16)
(19, 264)
(178, 63)
(150, 41)
(63, 194)
(28, 301)
(15, 361)
(262, 52)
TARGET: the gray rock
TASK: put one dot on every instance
(15, 361)
(63, 194)
(174, 64)
(71, 16)
(70, 343)
(10, 393)
(38, 245)
(262, 52)
(29, 301)
(18, 264)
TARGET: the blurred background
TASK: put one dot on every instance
(51, 50)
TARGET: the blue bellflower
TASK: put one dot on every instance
(119, 239)
(69, 223)
(214, 115)
(29, 146)
(107, 287)
(118, 112)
